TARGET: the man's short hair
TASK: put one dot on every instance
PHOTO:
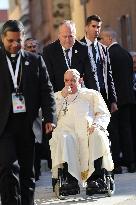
(12, 25)
(93, 18)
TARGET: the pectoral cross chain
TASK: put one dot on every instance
(66, 107)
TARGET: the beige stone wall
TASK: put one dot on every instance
(77, 15)
(48, 14)
(15, 14)
(19, 10)
(111, 12)
(45, 16)
(60, 11)
(14, 10)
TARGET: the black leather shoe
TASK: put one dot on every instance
(70, 186)
(36, 178)
(70, 189)
(92, 184)
(131, 168)
(92, 188)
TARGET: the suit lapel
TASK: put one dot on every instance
(25, 69)
(83, 40)
(5, 75)
(60, 56)
(75, 51)
(103, 57)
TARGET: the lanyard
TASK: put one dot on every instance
(14, 76)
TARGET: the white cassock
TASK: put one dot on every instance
(71, 141)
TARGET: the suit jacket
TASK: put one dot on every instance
(109, 84)
(122, 71)
(37, 89)
(56, 64)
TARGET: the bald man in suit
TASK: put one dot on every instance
(66, 53)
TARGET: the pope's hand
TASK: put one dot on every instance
(90, 129)
(65, 91)
(49, 127)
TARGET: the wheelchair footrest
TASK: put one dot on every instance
(91, 191)
(69, 189)
(96, 187)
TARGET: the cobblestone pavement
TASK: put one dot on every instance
(125, 193)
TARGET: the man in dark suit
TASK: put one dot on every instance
(120, 127)
(100, 61)
(32, 45)
(65, 53)
(133, 109)
(24, 87)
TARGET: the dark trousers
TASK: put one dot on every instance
(121, 135)
(37, 161)
(46, 152)
(133, 121)
(17, 142)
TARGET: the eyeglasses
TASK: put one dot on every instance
(34, 46)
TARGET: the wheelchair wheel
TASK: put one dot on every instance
(59, 184)
(57, 191)
(110, 186)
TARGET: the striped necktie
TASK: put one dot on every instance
(67, 57)
(94, 51)
(99, 65)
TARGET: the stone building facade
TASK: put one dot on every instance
(48, 14)
(41, 18)
(19, 10)
(118, 14)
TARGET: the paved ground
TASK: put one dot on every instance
(125, 193)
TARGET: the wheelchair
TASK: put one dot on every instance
(104, 185)
(62, 189)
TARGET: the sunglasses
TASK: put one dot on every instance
(34, 46)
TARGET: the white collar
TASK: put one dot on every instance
(66, 48)
(22, 52)
(90, 42)
(112, 44)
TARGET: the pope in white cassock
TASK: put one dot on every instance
(80, 136)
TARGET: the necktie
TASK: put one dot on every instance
(99, 65)
(67, 57)
(93, 51)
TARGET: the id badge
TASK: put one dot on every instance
(18, 103)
